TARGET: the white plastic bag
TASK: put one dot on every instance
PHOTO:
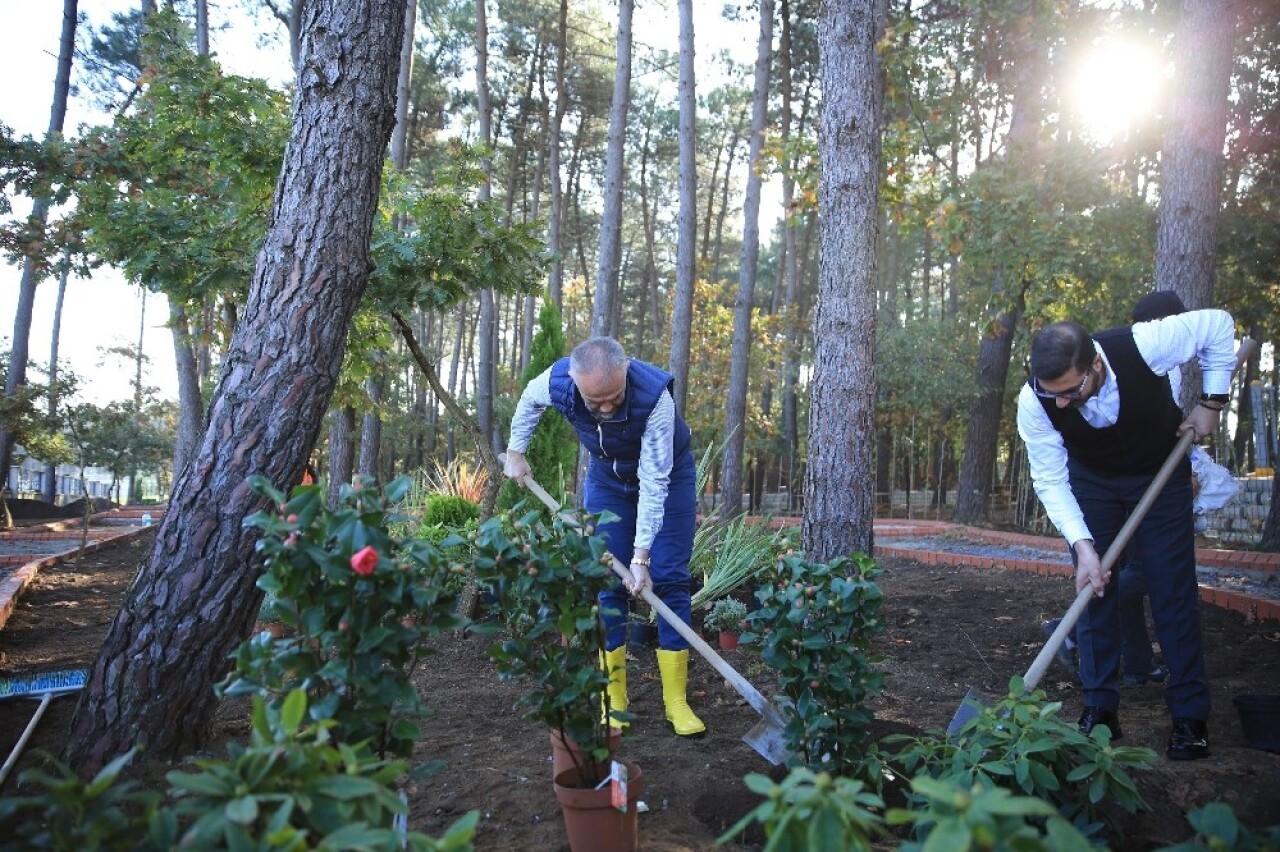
(1217, 486)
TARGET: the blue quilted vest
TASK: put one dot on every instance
(614, 445)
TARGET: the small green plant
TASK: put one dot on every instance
(293, 787)
(809, 811)
(983, 816)
(358, 605)
(814, 629)
(66, 812)
(726, 616)
(449, 510)
(1218, 830)
(1021, 744)
(547, 575)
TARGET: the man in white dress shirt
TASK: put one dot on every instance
(1099, 421)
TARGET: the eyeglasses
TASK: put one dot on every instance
(1078, 393)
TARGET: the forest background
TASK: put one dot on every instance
(1008, 197)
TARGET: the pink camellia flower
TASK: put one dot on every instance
(364, 561)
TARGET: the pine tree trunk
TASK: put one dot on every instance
(839, 482)
(735, 425)
(687, 216)
(342, 451)
(194, 599)
(190, 403)
(610, 259)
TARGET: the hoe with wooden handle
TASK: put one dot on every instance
(974, 699)
(766, 736)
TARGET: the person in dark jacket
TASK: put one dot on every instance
(1099, 421)
(641, 470)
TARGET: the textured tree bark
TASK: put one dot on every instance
(342, 451)
(1191, 154)
(731, 472)
(194, 599)
(839, 481)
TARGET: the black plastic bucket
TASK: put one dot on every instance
(1260, 719)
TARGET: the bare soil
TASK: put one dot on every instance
(947, 629)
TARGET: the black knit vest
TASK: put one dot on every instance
(1146, 430)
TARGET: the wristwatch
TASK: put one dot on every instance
(1223, 398)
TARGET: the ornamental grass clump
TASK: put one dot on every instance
(546, 575)
(358, 606)
(814, 629)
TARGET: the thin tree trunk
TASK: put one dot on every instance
(19, 347)
(190, 403)
(49, 483)
(486, 366)
(687, 216)
(194, 599)
(735, 423)
(342, 455)
(609, 261)
(554, 230)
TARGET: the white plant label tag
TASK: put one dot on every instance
(618, 786)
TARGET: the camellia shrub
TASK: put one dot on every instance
(546, 575)
(814, 629)
(808, 811)
(358, 607)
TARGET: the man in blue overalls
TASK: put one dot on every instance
(641, 470)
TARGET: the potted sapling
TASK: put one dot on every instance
(725, 618)
(547, 575)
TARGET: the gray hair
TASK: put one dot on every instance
(597, 355)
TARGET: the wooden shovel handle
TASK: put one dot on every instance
(752, 695)
(1041, 662)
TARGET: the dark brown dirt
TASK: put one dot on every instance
(947, 629)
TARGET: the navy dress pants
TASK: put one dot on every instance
(669, 554)
(1163, 553)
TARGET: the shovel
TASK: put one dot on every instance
(766, 736)
(973, 699)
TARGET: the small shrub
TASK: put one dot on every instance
(983, 816)
(726, 616)
(449, 510)
(1021, 744)
(814, 629)
(547, 575)
(65, 812)
(809, 811)
(1218, 829)
(358, 604)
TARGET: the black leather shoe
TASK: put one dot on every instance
(1095, 716)
(1189, 740)
(1156, 675)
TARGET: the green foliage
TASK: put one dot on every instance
(294, 787)
(177, 191)
(449, 510)
(1021, 744)
(726, 615)
(25, 413)
(729, 554)
(809, 811)
(547, 575)
(553, 451)
(814, 629)
(949, 815)
(66, 813)
(1218, 830)
(358, 603)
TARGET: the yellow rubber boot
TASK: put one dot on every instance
(674, 667)
(615, 663)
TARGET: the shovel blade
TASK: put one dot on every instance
(969, 709)
(766, 738)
